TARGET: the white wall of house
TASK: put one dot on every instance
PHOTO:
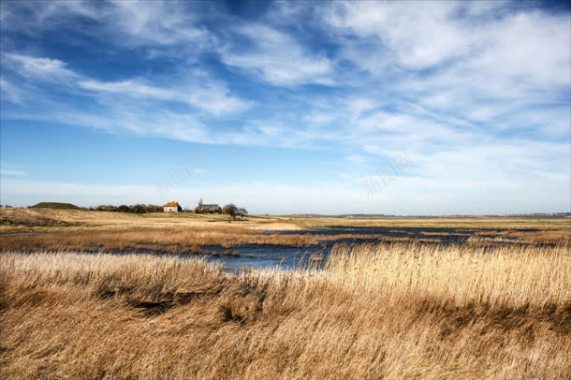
(170, 209)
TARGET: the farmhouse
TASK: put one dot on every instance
(207, 208)
(172, 207)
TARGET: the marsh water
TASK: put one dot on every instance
(267, 256)
(286, 257)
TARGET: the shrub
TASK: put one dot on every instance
(230, 209)
(138, 209)
(106, 208)
(123, 208)
(154, 208)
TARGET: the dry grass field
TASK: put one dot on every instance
(185, 232)
(383, 311)
(398, 309)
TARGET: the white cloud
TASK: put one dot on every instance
(418, 36)
(136, 105)
(277, 58)
(38, 68)
(526, 44)
(201, 92)
(127, 87)
(137, 23)
(9, 91)
(526, 47)
(493, 67)
(159, 23)
(129, 117)
(196, 89)
(33, 17)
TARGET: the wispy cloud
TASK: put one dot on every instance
(416, 37)
(483, 64)
(10, 91)
(200, 92)
(142, 23)
(277, 58)
(136, 105)
(11, 172)
(38, 68)
(158, 22)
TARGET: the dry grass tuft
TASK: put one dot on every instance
(389, 311)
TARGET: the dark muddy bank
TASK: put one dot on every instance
(425, 234)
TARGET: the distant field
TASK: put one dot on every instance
(91, 219)
(379, 312)
(185, 232)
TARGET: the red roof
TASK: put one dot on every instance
(171, 204)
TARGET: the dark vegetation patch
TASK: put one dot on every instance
(56, 206)
(154, 300)
(494, 317)
(36, 221)
(151, 309)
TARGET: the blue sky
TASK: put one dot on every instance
(288, 107)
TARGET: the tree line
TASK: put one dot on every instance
(229, 209)
(136, 209)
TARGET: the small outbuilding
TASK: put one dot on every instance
(172, 207)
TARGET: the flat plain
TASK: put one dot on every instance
(495, 305)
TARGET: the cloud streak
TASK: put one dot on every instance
(277, 58)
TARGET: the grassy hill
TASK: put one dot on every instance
(56, 206)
